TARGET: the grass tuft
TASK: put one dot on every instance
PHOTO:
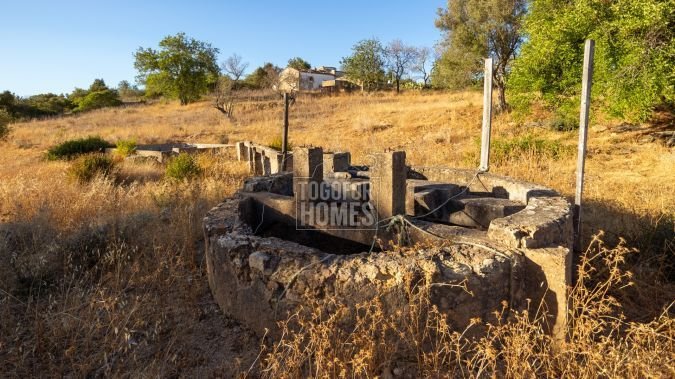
(125, 147)
(183, 167)
(87, 167)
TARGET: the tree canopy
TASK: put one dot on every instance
(97, 96)
(474, 30)
(299, 64)
(634, 57)
(265, 76)
(366, 64)
(182, 68)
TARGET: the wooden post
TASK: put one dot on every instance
(587, 81)
(487, 117)
(284, 138)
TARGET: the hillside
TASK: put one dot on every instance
(106, 277)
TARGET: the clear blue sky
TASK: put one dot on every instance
(54, 46)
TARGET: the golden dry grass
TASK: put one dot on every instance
(106, 278)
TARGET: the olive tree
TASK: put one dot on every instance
(474, 30)
(182, 68)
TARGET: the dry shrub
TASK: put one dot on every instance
(330, 339)
(183, 167)
(87, 167)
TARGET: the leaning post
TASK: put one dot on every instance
(284, 138)
(487, 117)
(587, 81)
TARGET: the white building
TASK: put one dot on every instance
(293, 80)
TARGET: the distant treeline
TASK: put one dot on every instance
(98, 95)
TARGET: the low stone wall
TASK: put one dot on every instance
(260, 280)
(162, 152)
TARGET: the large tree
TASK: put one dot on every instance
(400, 60)
(474, 30)
(366, 64)
(634, 57)
(182, 68)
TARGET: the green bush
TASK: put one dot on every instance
(5, 118)
(125, 147)
(89, 166)
(73, 148)
(99, 99)
(182, 167)
(277, 143)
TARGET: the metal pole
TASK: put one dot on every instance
(487, 117)
(284, 138)
(587, 82)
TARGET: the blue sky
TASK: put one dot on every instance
(54, 46)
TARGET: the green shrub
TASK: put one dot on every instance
(277, 143)
(73, 148)
(125, 147)
(5, 118)
(99, 99)
(89, 166)
(184, 166)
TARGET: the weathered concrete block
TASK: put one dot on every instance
(251, 159)
(307, 171)
(479, 212)
(257, 162)
(242, 151)
(335, 162)
(545, 222)
(276, 160)
(388, 183)
(548, 276)
(266, 164)
(423, 196)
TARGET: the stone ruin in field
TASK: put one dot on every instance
(162, 152)
(324, 227)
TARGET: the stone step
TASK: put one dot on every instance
(478, 212)
(423, 196)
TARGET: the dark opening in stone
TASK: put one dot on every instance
(272, 222)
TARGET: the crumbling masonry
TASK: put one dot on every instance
(308, 233)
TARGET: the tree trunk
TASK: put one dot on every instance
(501, 98)
(398, 85)
(500, 83)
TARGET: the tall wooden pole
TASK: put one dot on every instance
(284, 138)
(487, 117)
(587, 81)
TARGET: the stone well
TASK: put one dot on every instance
(269, 248)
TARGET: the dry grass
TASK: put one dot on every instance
(105, 278)
(331, 339)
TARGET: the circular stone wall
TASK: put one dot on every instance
(260, 279)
